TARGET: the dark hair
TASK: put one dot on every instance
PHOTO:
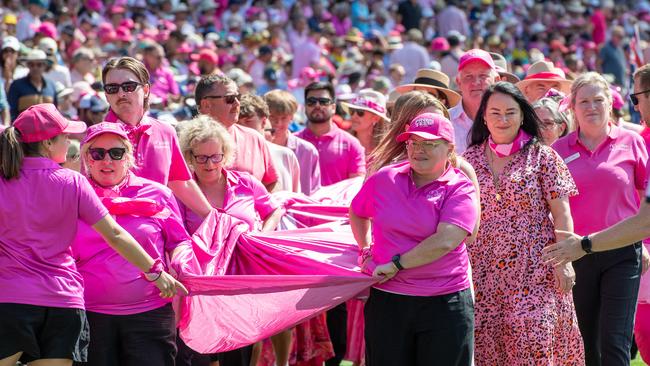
(320, 85)
(13, 151)
(207, 83)
(132, 65)
(479, 132)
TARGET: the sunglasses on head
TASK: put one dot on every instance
(311, 101)
(229, 99)
(635, 99)
(98, 153)
(214, 158)
(127, 87)
(358, 112)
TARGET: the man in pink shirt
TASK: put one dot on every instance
(163, 83)
(341, 156)
(218, 97)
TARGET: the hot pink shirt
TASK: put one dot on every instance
(112, 284)
(340, 154)
(157, 154)
(38, 222)
(404, 215)
(607, 178)
(246, 198)
(252, 155)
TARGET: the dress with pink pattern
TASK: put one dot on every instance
(520, 316)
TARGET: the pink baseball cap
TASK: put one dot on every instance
(206, 55)
(102, 128)
(430, 126)
(440, 44)
(476, 55)
(43, 121)
(47, 29)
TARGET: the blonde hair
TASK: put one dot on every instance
(202, 129)
(130, 64)
(589, 78)
(281, 101)
(252, 105)
(83, 153)
(407, 107)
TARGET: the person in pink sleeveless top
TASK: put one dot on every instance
(129, 323)
(42, 302)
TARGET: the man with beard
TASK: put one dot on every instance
(218, 97)
(341, 156)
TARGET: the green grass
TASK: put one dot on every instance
(637, 362)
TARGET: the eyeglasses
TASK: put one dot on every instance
(229, 99)
(270, 130)
(359, 112)
(311, 101)
(635, 99)
(116, 153)
(423, 145)
(127, 87)
(203, 159)
(548, 125)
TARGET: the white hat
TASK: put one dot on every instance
(368, 100)
(48, 45)
(11, 42)
(35, 55)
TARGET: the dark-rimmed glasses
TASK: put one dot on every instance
(635, 99)
(229, 99)
(127, 87)
(98, 153)
(203, 159)
(358, 112)
(312, 101)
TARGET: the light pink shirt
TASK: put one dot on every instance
(245, 198)
(340, 154)
(112, 285)
(163, 83)
(157, 154)
(286, 165)
(38, 222)
(404, 215)
(607, 178)
(252, 155)
(308, 160)
(462, 125)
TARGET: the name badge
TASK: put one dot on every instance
(571, 158)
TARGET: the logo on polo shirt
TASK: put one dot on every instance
(161, 144)
(621, 147)
(434, 195)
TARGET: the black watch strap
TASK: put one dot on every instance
(586, 244)
(396, 262)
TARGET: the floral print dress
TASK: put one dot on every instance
(520, 316)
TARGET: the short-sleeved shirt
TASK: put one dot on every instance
(157, 154)
(403, 215)
(246, 198)
(112, 284)
(252, 155)
(607, 178)
(287, 167)
(23, 94)
(340, 154)
(38, 222)
(309, 166)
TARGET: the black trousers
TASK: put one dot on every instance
(337, 326)
(147, 338)
(419, 330)
(188, 357)
(605, 295)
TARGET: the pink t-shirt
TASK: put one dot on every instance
(38, 222)
(607, 178)
(246, 198)
(403, 215)
(112, 284)
(340, 154)
(308, 160)
(163, 84)
(252, 155)
(157, 154)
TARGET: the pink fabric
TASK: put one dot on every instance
(252, 156)
(245, 198)
(112, 285)
(642, 330)
(308, 160)
(404, 215)
(340, 154)
(503, 150)
(296, 275)
(599, 24)
(607, 178)
(163, 83)
(38, 222)
(157, 154)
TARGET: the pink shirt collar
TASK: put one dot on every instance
(39, 163)
(574, 140)
(334, 130)
(145, 121)
(448, 175)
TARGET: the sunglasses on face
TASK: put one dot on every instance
(312, 101)
(128, 87)
(203, 159)
(229, 99)
(358, 112)
(635, 99)
(116, 153)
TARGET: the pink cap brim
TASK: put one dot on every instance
(466, 62)
(97, 133)
(425, 135)
(75, 127)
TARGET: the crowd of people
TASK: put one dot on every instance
(500, 148)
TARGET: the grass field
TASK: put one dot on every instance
(638, 362)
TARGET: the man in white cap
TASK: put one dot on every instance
(476, 72)
(54, 71)
(33, 88)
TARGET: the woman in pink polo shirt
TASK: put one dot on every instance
(129, 323)
(524, 311)
(422, 210)
(208, 149)
(42, 299)
(608, 164)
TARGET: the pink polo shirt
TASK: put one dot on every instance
(252, 155)
(246, 198)
(38, 222)
(157, 154)
(340, 154)
(112, 284)
(403, 215)
(607, 178)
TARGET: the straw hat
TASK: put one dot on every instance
(428, 80)
(354, 35)
(502, 68)
(35, 55)
(545, 71)
(368, 100)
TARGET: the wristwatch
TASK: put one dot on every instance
(396, 262)
(586, 244)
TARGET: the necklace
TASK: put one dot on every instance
(496, 178)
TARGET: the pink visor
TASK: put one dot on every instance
(42, 122)
(102, 128)
(430, 126)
